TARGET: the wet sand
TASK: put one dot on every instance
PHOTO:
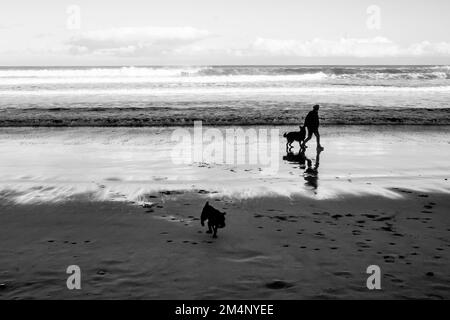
(127, 164)
(112, 202)
(271, 248)
(223, 114)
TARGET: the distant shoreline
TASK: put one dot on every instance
(213, 116)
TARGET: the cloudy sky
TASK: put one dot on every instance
(172, 32)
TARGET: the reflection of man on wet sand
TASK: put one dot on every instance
(312, 123)
(311, 173)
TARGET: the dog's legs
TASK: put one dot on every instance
(215, 232)
(209, 228)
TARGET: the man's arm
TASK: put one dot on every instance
(307, 119)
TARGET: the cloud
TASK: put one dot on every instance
(351, 47)
(186, 43)
(427, 48)
(135, 41)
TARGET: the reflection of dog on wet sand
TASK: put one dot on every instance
(296, 158)
(216, 219)
(295, 136)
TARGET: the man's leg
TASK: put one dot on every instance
(317, 134)
(308, 138)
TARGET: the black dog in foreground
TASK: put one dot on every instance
(216, 219)
(295, 136)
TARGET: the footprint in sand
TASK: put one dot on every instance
(345, 274)
(370, 216)
(396, 280)
(278, 284)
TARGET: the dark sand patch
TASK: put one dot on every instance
(322, 247)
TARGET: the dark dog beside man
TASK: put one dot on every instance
(312, 124)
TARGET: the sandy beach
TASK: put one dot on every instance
(113, 202)
(272, 248)
(221, 158)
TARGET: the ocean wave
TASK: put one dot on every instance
(297, 73)
(86, 72)
(402, 72)
(199, 91)
(437, 75)
(17, 81)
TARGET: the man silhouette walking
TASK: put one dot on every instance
(312, 124)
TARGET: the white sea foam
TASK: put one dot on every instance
(99, 72)
(162, 79)
(226, 90)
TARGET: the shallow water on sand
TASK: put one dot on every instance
(128, 164)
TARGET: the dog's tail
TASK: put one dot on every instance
(285, 134)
